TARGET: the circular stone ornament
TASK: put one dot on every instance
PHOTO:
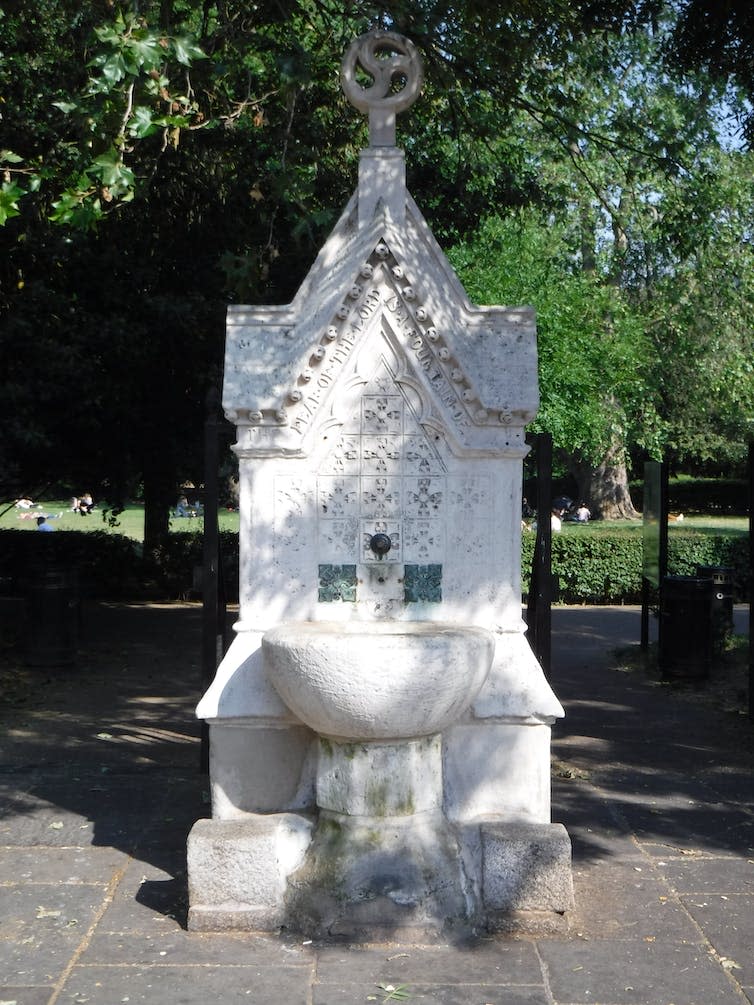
(394, 64)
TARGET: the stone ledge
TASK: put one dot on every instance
(238, 870)
(525, 867)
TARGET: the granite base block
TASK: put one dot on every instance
(238, 870)
(526, 868)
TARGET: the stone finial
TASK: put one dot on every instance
(394, 64)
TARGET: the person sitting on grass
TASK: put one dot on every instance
(182, 507)
(86, 504)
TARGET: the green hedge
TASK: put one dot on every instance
(593, 565)
(718, 496)
(603, 566)
(111, 566)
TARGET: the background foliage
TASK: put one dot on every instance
(160, 159)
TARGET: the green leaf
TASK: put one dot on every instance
(65, 106)
(109, 168)
(144, 52)
(186, 50)
(8, 157)
(141, 123)
(10, 193)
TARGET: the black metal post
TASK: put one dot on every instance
(539, 608)
(213, 599)
(663, 557)
(645, 600)
(751, 581)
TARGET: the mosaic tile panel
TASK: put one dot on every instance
(337, 582)
(422, 583)
(389, 478)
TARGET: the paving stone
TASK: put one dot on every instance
(35, 911)
(708, 875)
(627, 900)
(696, 826)
(441, 994)
(594, 827)
(493, 962)
(668, 852)
(25, 995)
(195, 948)
(187, 985)
(635, 973)
(727, 921)
(38, 961)
(148, 899)
(60, 865)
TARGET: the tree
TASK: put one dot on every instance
(182, 154)
(596, 364)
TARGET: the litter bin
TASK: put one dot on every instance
(721, 610)
(52, 616)
(686, 627)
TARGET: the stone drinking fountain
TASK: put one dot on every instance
(379, 728)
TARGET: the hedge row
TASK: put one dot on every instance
(719, 496)
(111, 566)
(605, 566)
(599, 566)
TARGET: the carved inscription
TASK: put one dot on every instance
(322, 377)
(403, 323)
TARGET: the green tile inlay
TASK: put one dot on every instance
(422, 582)
(337, 582)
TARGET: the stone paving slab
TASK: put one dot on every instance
(634, 972)
(491, 962)
(628, 901)
(187, 985)
(177, 947)
(427, 994)
(64, 866)
(26, 995)
(726, 920)
(709, 875)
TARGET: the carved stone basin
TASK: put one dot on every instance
(377, 680)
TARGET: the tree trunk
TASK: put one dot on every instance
(604, 487)
(159, 496)
(605, 490)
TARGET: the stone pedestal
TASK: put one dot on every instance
(378, 877)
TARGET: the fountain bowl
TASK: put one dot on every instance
(378, 680)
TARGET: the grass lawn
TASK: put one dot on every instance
(736, 525)
(130, 521)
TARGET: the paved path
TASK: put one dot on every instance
(98, 788)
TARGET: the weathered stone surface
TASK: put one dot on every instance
(526, 867)
(380, 779)
(379, 680)
(259, 767)
(379, 877)
(494, 770)
(238, 869)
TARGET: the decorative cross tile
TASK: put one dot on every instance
(337, 582)
(422, 583)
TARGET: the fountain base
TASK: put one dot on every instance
(378, 877)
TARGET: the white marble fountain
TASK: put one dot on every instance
(379, 728)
